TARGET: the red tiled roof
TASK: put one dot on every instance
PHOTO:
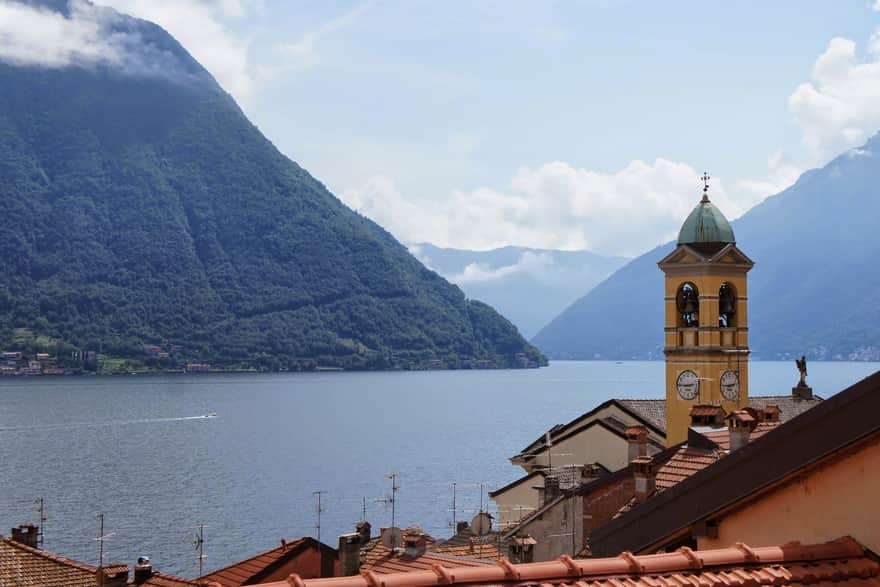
(841, 563)
(246, 571)
(721, 437)
(685, 463)
(24, 566)
(381, 560)
(479, 550)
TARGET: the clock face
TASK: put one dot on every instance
(688, 385)
(730, 385)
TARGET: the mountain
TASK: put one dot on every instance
(513, 278)
(143, 211)
(814, 289)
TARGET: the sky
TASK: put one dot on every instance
(572, 125)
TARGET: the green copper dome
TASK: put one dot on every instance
(705, 224)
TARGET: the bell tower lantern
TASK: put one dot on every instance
(706, 328)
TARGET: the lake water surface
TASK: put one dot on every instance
(140, 450)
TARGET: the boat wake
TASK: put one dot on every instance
(107, 423)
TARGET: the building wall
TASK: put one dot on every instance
(558, 531)
(702, 349)
(838, 499)
(307, 565)
(608, 452)
(600, 505)
(519, 501)
(595, 445)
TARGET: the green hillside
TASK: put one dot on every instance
(147, 210)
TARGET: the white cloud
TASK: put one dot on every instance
(34, 36)
(877, 5)
(838, 109)
(199, 26)
(555, 206)
(89, 37)
(534, 264)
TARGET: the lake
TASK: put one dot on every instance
(140, 449)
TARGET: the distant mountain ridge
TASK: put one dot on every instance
(814, 289)
(142, 209)
(529, 286)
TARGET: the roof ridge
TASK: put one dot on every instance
(286, 546)
(682, 560)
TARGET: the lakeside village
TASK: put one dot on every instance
(711, 486)
(65, 359)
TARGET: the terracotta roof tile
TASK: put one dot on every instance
(381, 560)
(841, 563)
(244, 572)
(23, 566)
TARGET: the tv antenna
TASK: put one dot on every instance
(101, 538)
(318, 510)
(40, 508)
(394, 488)
(199, 543)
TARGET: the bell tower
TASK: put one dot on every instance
(706, 328)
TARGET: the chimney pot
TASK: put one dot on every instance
(707, 415)
(415, 543)
(143, 570)
(739, 426)
(364, 529)
(636, 442)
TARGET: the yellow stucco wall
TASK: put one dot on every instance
(838, 499)
(708, 350)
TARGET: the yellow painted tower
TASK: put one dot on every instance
(706, 332)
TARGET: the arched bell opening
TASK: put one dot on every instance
(726, 306)
(688, 302)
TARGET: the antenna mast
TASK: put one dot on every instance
(394, 488)
(40, 509)
(319, 509)
(101, 538)
(199, 543)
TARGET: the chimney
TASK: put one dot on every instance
(739, 426)
(591, 472)
(363, 529)
(551, 488)
(772, 413)
(349, 554)
(112, 576)
(143, 570)
(636, 442)
(414, 543)
(645, 473)
(461, 527)
(521, 549)
(26, 534)
(703, 415)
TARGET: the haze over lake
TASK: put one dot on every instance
(141, 450)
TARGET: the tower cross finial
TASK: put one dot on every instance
(705, 179)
